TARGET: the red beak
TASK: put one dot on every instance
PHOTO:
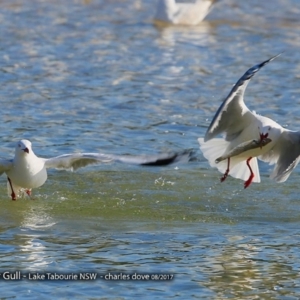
(262, 137)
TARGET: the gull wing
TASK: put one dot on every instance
(5, 165)
(233, 115)
(79, 160)
(285, 154)
(161, 159)
(76, 160)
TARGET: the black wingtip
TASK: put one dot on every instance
(170, 158)
(268, 60)
(253, 70)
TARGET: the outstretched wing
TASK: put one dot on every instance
(5, 165)
(162, 159)
(79, 160)
(233, 115)
(285, 154)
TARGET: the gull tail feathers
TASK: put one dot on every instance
(215, 148)
(240, 170)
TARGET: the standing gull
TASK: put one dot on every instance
(247, 136)
(183, 12)
(27, 171)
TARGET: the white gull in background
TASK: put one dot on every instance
(27, 171)
(248, 136)
(183, 12)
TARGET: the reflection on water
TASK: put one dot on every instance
(200, 35)
(251, 264)
(100, 76)
(34, 250)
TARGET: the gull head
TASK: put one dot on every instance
(268, 133)
(23, 146)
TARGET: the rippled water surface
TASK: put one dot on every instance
(100, 76)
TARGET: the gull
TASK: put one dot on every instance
(183, 12)
(248, 136)
(27, 171)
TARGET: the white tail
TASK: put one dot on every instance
(215, 148)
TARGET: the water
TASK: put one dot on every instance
(99, 76)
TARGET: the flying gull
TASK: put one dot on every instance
(248, 136)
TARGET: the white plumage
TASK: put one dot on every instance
(240, 125)
(27, 171)
(188, 12)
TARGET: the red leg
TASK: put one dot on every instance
(28, 192)
(13, 195)
(248, 182)
(227, 170)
